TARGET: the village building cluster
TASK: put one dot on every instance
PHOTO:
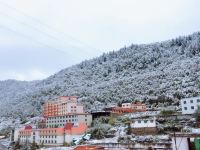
(65, 119)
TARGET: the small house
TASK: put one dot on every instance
(144, 126)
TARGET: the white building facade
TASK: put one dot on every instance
(60, 121)
(144, 126)
(144, 123)
(126, 105)
(190, 105)
(51, 136)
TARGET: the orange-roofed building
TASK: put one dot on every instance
(65, 109)
(128, 108)
(139, 107)
(52, 136)
(89, 147)
(75, 129)
(24, 135)
(62, 106)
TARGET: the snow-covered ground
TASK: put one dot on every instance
(105, 140)
(8, 122)
(5, 142)
(5, 122)
(142, 114)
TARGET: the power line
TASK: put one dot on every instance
(41, 23)
(40, 31)
(32, 39)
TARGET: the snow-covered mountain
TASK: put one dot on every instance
(170, 68)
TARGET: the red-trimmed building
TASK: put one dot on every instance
(52, 136)
(64, 119)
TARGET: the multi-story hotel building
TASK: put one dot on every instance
(62, 106)
(64, 110)
(60, 121)
(64, 119)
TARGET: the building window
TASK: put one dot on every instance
(192, 107)
(191, 101)
(151, 121)
(185, 108)
(145, 121)
(139, 121)
(184, 102)
(198, 100)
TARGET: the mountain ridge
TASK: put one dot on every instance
(170, 68)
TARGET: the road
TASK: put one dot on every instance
(2, 147)
(3, 144)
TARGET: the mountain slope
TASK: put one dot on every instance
(170, 68)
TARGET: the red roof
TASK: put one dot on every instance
(68, 126)
(88, 147)
(28, 127)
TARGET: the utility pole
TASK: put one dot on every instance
(175, 139)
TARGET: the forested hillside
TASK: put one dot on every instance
(170, 68)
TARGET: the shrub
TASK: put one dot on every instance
(167, 112)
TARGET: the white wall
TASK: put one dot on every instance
(60, 139)
(196, 130)
(79, 109)
(37, 137)
(126, 105)
(86, 118)
(144, 123)
(61, 120)
(16, 134)
(181, 143)
(70, 107)
(189, 105)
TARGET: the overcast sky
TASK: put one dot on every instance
(40, 37)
